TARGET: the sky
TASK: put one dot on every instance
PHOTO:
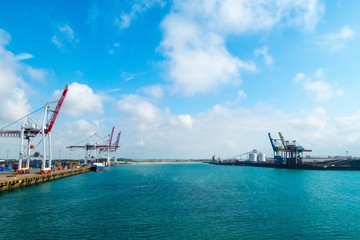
(184, 79)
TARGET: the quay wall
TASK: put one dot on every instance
(14, 181)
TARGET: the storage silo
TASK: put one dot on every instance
(253, 157)
(261, 157)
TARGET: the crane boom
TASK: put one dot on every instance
(111, 136)
(56, 112)
(116, 144)
(272, 142)
(282, 140)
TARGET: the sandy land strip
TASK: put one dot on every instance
(165, 162)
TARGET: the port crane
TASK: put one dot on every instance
(98, 149)
(286, 152)
(32, 134)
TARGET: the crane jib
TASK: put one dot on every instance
(56, 112)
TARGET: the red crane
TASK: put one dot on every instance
(31, 131)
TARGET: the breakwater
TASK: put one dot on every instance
(12, 181)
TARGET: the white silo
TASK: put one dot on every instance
(253, 157)
(261, 157)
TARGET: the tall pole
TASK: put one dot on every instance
(50, 150)
(43, 167)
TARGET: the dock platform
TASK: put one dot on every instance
(11, 180)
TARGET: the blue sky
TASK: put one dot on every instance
(185, 79)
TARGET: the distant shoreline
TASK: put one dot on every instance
(164, 162)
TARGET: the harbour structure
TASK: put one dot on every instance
(11, 181)
(98, 151)
(289, 155)
(32, 134)
(286, 152)
(250, 156)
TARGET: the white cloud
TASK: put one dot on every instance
(316, 85)
(218, 131)
(184, 120)
(139, 109)
(241, 94)
(14, 105)
(36, 73)
(198, 62)
(94, 12)
(14, 75)
(138, 7)
(64, 37)
(349, 128)
(146, 116)
(155, 91)
(299, 77)
(337, 40)
(23, 56)
(351, 123)
(124, 20)
(84, 125)
(113, 48)
(81, 99)
(56, 42)
(4, 38)
(82, 128)
(130, 76)
(316, 120)
(68, 32)
(303, 13)
(195, 33)
(237, 17)
(263, 52)
(323, 90)
(139, 142)
(227, 132)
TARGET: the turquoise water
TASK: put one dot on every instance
(187, 201)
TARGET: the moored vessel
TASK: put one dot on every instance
(98, 167)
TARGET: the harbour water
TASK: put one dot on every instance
(186, 201)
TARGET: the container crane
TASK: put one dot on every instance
(99, 149)
(277, 149)
(32, 134)
(291, 154)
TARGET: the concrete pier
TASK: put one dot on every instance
(12, 180)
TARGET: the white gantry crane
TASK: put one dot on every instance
(33, 134)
